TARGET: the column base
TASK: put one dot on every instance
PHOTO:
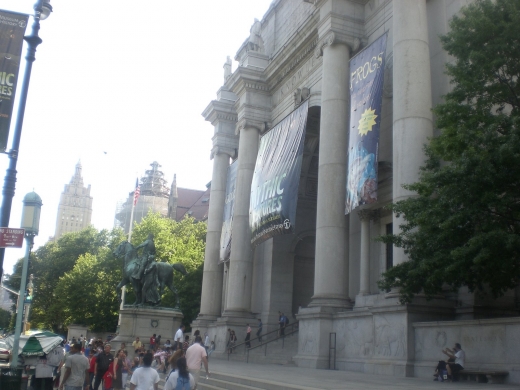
(203, 322)
(335, 302)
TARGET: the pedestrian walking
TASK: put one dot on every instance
(103, 361)
(145, 377)
(76, 370)
(259, 331)
(248, 336)
(195, 355)
(180, 378)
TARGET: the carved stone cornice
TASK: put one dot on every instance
(332, 38)
(218, 111)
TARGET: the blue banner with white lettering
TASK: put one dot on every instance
(274, 190)
(229, 207)
(366, 98)
(12, 30)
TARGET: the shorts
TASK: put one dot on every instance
(196, 375)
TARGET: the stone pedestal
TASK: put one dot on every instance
(143, 322)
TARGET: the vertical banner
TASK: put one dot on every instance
(229, 206)
(366, 94)
(12, 30)
(274, 190)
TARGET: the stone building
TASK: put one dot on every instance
(75, 208)
(330, 267)
(174, 202)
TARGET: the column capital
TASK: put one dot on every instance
(252, 124)
(222, 150)
(332, 38)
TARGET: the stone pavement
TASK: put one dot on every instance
(337, 380)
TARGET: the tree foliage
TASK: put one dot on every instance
(53, 260)
(463, 227)
(177, 242)
(5, 319)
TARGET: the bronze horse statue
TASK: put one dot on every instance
(157, 276)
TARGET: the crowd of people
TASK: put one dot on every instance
(94, 365)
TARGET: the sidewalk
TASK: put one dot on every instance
(339, 380)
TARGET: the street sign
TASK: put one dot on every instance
(11, 238)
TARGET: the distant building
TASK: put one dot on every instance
(155, 196)
(75, 208)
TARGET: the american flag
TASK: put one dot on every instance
(137, 191)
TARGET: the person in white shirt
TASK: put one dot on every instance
(195, 355)
(179, 337)
(145, 378)
(455, 367)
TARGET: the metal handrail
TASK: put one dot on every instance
(288, 328)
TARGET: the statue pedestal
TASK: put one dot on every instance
(143, 322)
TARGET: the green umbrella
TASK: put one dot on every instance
(36, 344)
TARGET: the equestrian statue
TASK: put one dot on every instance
(147, 277)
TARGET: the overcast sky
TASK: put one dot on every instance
(127, 78)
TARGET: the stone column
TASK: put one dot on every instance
(210, 304)
(238, 302)
(364, 266)
(331, 272)
(412, 97)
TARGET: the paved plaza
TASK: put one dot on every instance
(336, 380)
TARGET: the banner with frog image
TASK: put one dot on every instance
(366, 95)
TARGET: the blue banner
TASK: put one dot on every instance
(366, 95)
(229, 206)
(274, 190)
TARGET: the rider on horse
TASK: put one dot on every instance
(147, 257)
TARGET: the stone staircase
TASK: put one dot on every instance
(219, 381)
(278, 352)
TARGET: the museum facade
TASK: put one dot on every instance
(325, 273)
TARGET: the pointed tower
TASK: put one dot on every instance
(75, 208)
(172, 201)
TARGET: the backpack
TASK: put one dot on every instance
(286, 320)
(183, 383)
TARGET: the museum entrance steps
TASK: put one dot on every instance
(273, 349)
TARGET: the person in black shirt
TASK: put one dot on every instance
(103, 361)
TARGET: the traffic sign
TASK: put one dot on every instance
(11, 238)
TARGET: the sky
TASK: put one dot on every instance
(117, 85)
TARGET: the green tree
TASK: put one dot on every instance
(51, 261)
(463, 227)
(5, 319)
(177, 242)
(87, 293)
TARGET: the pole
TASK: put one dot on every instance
(29, 240)
(33, 40)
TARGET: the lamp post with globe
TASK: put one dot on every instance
(32, 204)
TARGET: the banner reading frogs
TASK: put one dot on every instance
(274, 190)
(12, 30)
(229, 207)
(366, 93)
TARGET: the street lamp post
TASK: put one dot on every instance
(32, 204)
(42, 10)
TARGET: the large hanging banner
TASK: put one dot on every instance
(274, 190)
(229, 206)
(12, 30)
(366, 95)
